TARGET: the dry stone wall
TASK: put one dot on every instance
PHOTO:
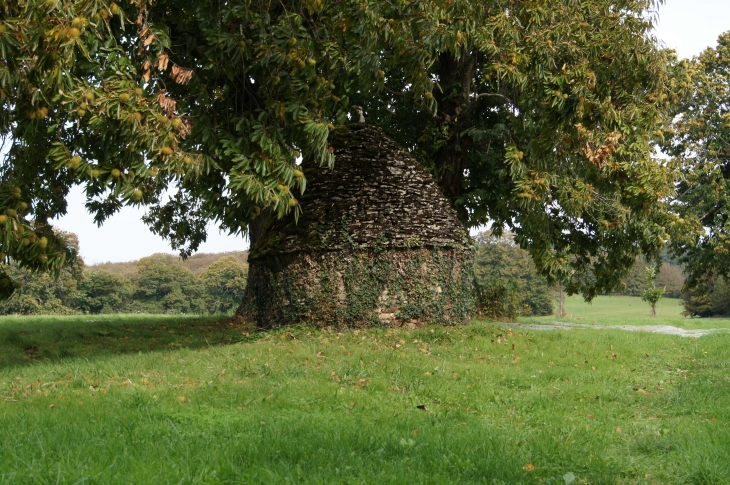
(377, 243)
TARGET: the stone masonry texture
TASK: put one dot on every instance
(377, 210)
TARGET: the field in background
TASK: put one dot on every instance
(627, 310)
(190, 400)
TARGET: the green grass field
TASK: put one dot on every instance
(191, 400)
(627, 310)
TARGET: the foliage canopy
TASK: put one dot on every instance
(507, 280)
(700, 145)
(535, 115)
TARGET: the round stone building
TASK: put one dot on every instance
(377, 244)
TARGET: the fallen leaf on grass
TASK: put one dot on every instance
(422, 407)
(362, 382)
(529, 467)
(642, 391)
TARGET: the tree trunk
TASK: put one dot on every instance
(455, 77)
(653, 310)
(257, 226)
(561, 302)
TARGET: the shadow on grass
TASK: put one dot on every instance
(24, 340)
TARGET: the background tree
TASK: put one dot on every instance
(652, 294)
(163, 285)
(40, 293)
(710, 299)
(224, 283)
(103, 292)
(699, 141)
(669, 276)
(507, 279)
(535, 115)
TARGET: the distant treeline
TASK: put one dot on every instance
(509, 286)
(161, 283)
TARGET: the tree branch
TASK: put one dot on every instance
(492, 95)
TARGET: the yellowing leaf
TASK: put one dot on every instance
(162, 62)
(181, 75)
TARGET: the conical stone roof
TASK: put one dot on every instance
(375, 197)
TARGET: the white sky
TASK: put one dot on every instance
(689, 26)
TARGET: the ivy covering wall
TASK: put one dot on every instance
(377, 244)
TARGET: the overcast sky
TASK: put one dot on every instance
(689, 26)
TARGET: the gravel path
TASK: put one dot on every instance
(661, 329)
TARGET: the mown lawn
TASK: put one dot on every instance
(188, 400)
(627, 310)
